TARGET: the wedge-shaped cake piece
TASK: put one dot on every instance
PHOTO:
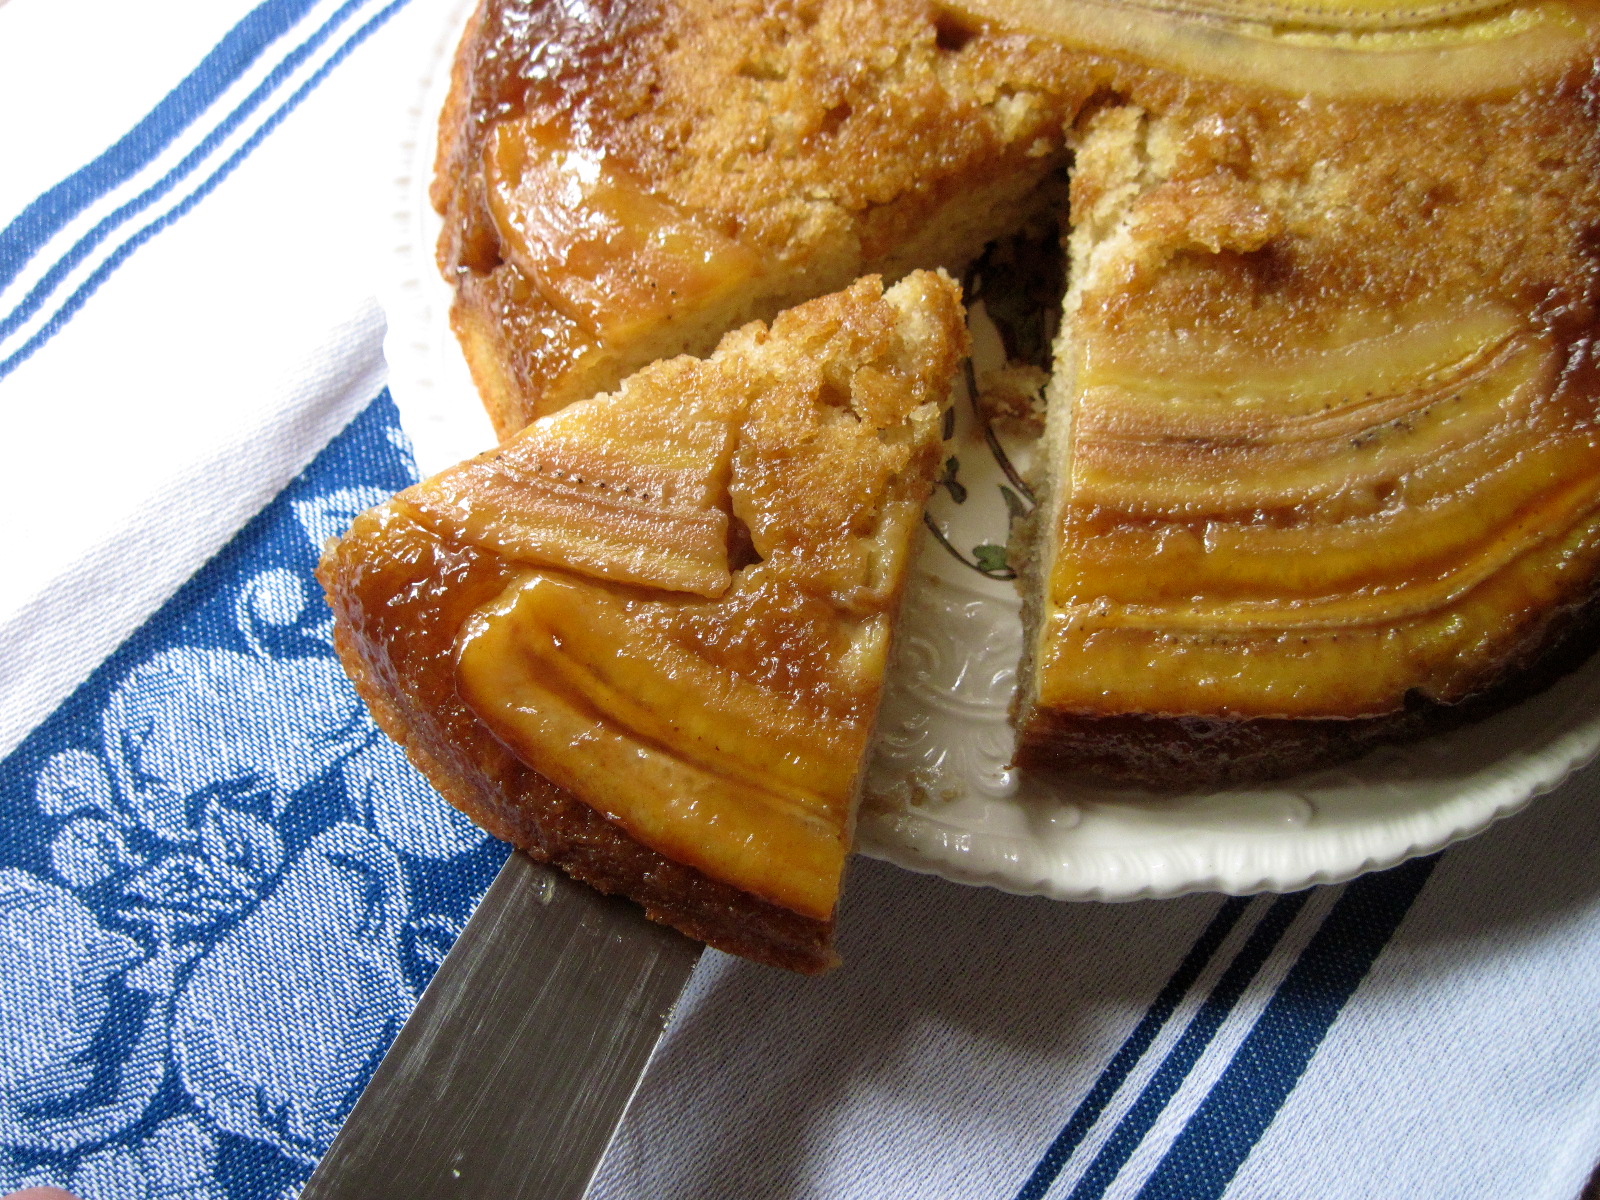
(645, 639)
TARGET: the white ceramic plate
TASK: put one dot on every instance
(941, 797)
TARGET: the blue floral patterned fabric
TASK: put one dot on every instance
(221, 887)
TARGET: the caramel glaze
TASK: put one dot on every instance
(726, 734)
(401, 594)
(1189, 751)
(517, 54)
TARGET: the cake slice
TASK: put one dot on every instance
(1322, 469)
(645, 639)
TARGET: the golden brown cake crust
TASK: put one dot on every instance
(399, 594)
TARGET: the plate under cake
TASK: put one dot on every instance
(645, 639)
(1321, 467)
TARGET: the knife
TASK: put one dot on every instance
(515, 1068)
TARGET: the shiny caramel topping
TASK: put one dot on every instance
(639, 705)
(535, 51)
(614, 258)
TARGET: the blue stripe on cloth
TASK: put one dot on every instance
(51, 279)
(221, 887)
(1175, 1068)
(1223, 1130)
(41, 220)
(123, 252)
(1127, 1056)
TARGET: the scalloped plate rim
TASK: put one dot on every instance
(957, 871)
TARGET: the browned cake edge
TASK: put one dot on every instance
(1194, 753)
(406, 674)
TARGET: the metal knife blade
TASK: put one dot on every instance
(517, 1064)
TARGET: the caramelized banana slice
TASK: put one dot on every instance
(631, 490)
(1338, 49)
(601, 250)
(1331, 14)
(621, 698)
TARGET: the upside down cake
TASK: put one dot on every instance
(1321, 466)
(645, 638)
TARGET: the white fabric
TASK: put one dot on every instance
(211, 366)
(1468, 1064)
(967, 1026)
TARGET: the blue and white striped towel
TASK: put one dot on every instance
(191, 400)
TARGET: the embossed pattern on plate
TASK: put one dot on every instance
(941, 797)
